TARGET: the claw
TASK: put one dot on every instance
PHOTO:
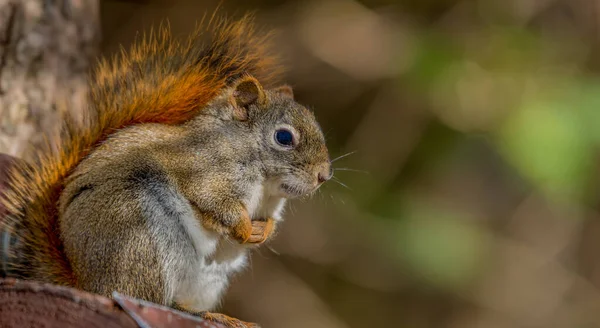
(261, 231)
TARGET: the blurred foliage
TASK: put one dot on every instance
(439, 245)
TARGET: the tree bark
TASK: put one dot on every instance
(46, 50)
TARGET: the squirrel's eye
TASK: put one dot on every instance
(284, 137)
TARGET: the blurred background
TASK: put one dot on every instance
(469, 193)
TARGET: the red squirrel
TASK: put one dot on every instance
(181, 163)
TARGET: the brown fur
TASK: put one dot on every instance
(159, 80)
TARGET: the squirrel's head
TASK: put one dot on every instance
(291, 144)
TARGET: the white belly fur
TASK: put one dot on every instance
(201, 281)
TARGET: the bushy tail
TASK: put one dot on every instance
(158, 80)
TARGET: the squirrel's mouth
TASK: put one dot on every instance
(292, 191)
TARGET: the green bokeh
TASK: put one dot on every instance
(549, 143)
(442, 246)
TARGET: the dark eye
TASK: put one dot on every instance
(284, 137)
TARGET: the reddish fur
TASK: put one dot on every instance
(261, 230)
(158, 80)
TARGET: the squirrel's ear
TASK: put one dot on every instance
(247, 91)
(285, 90)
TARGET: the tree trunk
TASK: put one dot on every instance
(46, 47)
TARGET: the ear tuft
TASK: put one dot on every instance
(285, 91)
(247, 91)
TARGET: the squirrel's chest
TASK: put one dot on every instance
(204, 271)
(203, 277)
(262, 204)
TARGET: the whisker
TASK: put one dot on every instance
(324, 197)
(273, 250)
(292, 208)
(345, 155)
(340, 183)
(337, 200)
(349, 169)
(334, 199)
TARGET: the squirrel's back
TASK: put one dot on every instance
(158, 80)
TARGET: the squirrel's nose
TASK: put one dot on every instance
(325, 173)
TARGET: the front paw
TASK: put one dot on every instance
(261, 231)
(234, 222)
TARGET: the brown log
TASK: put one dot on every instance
(31, 304)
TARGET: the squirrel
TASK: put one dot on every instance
(183, 161)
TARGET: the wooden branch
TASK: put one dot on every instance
(30, 304)
(46, 48)
(33, 304)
